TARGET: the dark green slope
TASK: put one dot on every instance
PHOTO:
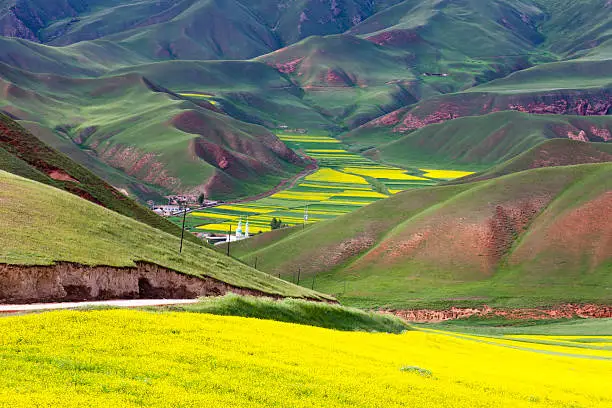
(23, 154)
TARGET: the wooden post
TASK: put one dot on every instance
(299, 272)
(183, 231)
(313, 280)
(255, 263)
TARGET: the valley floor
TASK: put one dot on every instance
(338, 182)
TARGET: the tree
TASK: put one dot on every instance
(201, 199)
(276, 223)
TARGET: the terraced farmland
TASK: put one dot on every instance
(344, 182)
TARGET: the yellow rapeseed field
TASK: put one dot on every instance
(335, 176)
(391, 174)
(445, 174)
(364, 194)
(213, 215)
(222, 228)
(334, 186)
(246, 209)
(119, 358)
(308, 139)
(199, 95)
(302, 196)
(339, 151)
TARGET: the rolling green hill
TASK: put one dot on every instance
(130, 91)
(23, 154)
(537, 237)
(347, 79)
(43, 226)
(182, 29)
(148, 135)
(474, 141)
(551, 153)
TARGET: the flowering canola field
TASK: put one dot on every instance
(344, 182)
(123, 358)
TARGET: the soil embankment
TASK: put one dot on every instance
(73, 282)
(566, 311)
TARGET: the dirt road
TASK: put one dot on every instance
(37, 307)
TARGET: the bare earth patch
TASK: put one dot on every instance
(61, 176)
(567, 311)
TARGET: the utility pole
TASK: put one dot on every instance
(255, 263)
(183, 230)
(313, 280)
(299, 273)
(229, 240)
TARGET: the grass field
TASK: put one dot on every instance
(571, 329)
(131, 358)
(42, 225)
(23, 154)
(296, 311)
(344, 182)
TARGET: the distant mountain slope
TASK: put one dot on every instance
(441, 37)
(23, 154)
(551, 153)
(348, 79)
(183, 29)
(73, 249)
(477, 141)
(563, 16)
(535, 237)
(90, 58)
(151, 135)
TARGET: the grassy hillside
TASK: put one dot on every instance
(24, 155)
(182, 29)
(440, 35)
(161, 359)
(574, 328)
(348, 79)
(43, 225)
(148, 135)
(296, 311)
(246, 90)
(555, 152)
(473, 141)
(89, 58)
(537, 237)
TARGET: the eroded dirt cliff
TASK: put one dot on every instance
(73, 282)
